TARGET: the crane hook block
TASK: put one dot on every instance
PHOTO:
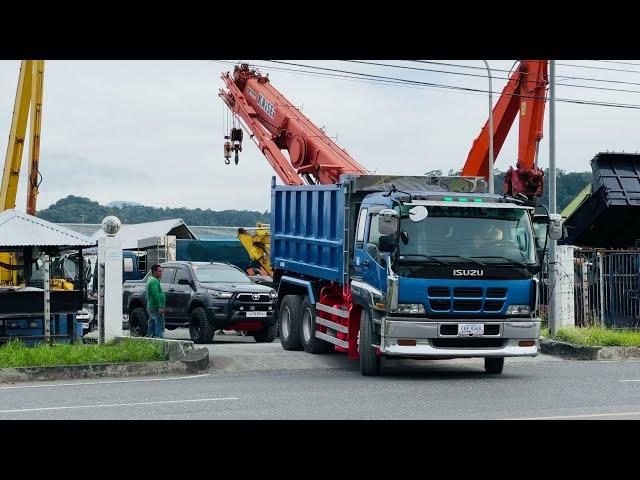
(236, 135)
(227, 152)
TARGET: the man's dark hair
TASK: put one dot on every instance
(154, 268)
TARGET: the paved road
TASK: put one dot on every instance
(261, 381)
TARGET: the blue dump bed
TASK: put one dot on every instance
(307, 230)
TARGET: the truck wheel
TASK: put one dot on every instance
(289, 319)
(310, 343)
(138, 322)
(369, 361)
(267, 335)
(200, 328)
(494, 365)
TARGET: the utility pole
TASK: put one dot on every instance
(491, 159)
(552, 259)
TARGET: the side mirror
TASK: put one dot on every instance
(555, 230)
(418, 214)
(256, 280)
(386, 243)
(388, 224)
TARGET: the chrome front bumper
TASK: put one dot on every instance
(430, 342)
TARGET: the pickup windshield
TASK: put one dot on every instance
(219, 274)
(463, 234)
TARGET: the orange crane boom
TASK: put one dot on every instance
(525, 93)
(276, 125)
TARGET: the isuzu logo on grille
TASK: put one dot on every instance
(468, 273)
(256, 296)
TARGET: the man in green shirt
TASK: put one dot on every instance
(155, 304)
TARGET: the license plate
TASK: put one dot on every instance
(256, 314)
(470, 329)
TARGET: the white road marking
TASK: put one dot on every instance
(105, 382)
(629, 380)
(20, 410)
(591, 415)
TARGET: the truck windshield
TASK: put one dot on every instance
(219, 274)
(457, 234)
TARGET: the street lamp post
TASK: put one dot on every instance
(491, 188)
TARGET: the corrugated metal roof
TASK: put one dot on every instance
(130, 234)
(83, 228)
(18, 229)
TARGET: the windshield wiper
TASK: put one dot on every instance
(462, 258)
(441, 262)
(510, 260)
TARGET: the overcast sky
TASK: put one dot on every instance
(152, 131)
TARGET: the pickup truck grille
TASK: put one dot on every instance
(248, 297)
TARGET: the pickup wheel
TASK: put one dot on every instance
(310, 343)
(494, 365)
(289, 322)
(369, 361)
(267, 335)
(200, 329)
(138, 322)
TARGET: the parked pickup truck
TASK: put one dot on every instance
(205, 297)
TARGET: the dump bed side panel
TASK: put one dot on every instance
(307, 230)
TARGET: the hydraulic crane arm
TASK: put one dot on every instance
(525, 93)
(28, 96)
(276, 124)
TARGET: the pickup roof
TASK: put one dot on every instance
(205, 297)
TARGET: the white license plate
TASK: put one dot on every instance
(256, 314)
(470, 329)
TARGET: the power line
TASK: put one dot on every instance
(598, 68)
(620, 63)
(452, 87)
(503, 78)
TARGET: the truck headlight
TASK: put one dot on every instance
(273, 294)
(413, 308)
(518, 310)
(219, 294)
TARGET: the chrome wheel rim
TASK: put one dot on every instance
(306, 325)
(284, 322)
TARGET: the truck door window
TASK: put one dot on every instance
(362, 222)
(167, 275)
(182, 274)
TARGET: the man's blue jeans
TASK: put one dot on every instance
(155, 327)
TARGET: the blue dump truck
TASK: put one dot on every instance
(405, 267)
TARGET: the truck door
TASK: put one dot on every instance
(166, 282)
(375, 272)
(182, 293)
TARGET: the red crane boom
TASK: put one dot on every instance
(525, 93)
(276, 124)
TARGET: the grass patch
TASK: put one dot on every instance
(544, 332)
(17, 354)
(598, 337)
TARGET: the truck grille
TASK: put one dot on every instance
(466, 299)
(452, 329)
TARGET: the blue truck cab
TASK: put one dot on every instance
(405, 267)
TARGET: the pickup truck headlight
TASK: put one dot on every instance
(219, 294)
(518, 310)
(414, 308)
(273, 294)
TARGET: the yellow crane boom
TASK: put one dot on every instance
(258, 246)
(29, 96)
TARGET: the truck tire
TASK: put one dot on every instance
(369, 361)
(494, 365)
(310, 343)
(200, 329)
(267, 335)
(289, 322)
(138, 322)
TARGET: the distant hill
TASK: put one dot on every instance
(74, 209)
(121, 204)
